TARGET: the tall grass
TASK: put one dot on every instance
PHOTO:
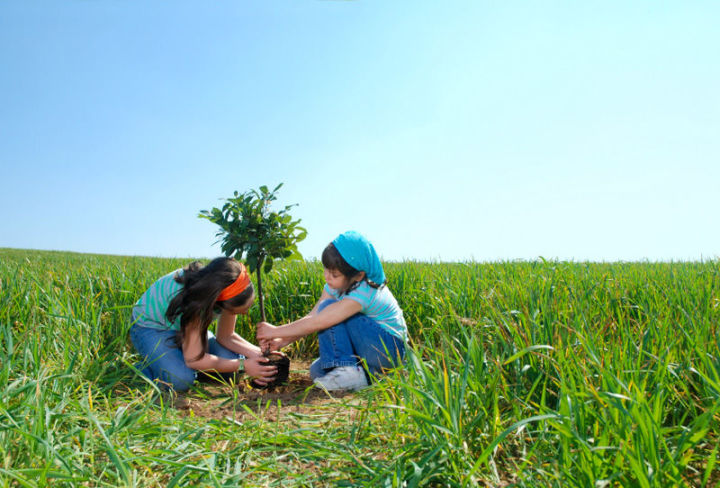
(521, 373)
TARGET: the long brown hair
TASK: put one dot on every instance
(197, 299)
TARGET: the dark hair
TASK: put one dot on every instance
(197, 299)
(332, 259)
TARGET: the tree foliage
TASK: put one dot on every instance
(251, 231)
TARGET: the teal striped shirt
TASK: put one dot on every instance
(150, 309)
(378, 304)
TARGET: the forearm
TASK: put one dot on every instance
(302, 327)
(331, 315)
(236, 343)
(210, 362)
(310, 323)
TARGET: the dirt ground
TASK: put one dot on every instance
(243, 403)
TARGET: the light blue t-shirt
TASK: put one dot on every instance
(378, 304)
(150, 309)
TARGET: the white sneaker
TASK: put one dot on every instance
(343, 378)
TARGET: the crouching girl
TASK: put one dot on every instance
(358, 321)
(171, 320)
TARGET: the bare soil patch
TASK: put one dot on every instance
(298, 398)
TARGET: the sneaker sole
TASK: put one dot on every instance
(345, 388)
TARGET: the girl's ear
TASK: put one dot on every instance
(359, 277)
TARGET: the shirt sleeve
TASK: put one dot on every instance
(363, 295)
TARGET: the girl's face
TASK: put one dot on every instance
(243, 309)
(335, 279)
(338, 281)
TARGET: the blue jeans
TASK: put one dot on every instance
(358, 338)
(163, 360)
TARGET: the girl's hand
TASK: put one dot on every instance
(256, 352)
(274, 344)
(265, 331)
(258, 368)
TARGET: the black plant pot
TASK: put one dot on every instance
(282, 362)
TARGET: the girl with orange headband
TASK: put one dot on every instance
(171, 320)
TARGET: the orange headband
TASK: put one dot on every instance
(236, 287)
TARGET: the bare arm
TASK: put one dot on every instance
(316, 321)
(278, 343)
(196, 358)
(230, 339)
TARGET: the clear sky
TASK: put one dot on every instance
(442, 130)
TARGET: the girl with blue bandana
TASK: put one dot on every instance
(357, 318)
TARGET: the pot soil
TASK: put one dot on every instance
(282, 362)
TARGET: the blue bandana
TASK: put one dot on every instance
(360, 254)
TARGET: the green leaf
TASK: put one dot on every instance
(527, 350)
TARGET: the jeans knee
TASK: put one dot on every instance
(325, 303)
(182, 385)
(135, 337)
(180, 381)
(316, 369)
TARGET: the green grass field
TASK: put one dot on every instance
(521, 374)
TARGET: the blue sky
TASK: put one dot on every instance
(459, 130)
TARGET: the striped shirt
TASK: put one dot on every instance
(150, 310)
(379, 304)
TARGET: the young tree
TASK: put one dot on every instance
(249, 230)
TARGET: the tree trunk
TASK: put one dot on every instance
(260, 290)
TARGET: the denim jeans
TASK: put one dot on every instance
(163, 360)
(355, 340)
